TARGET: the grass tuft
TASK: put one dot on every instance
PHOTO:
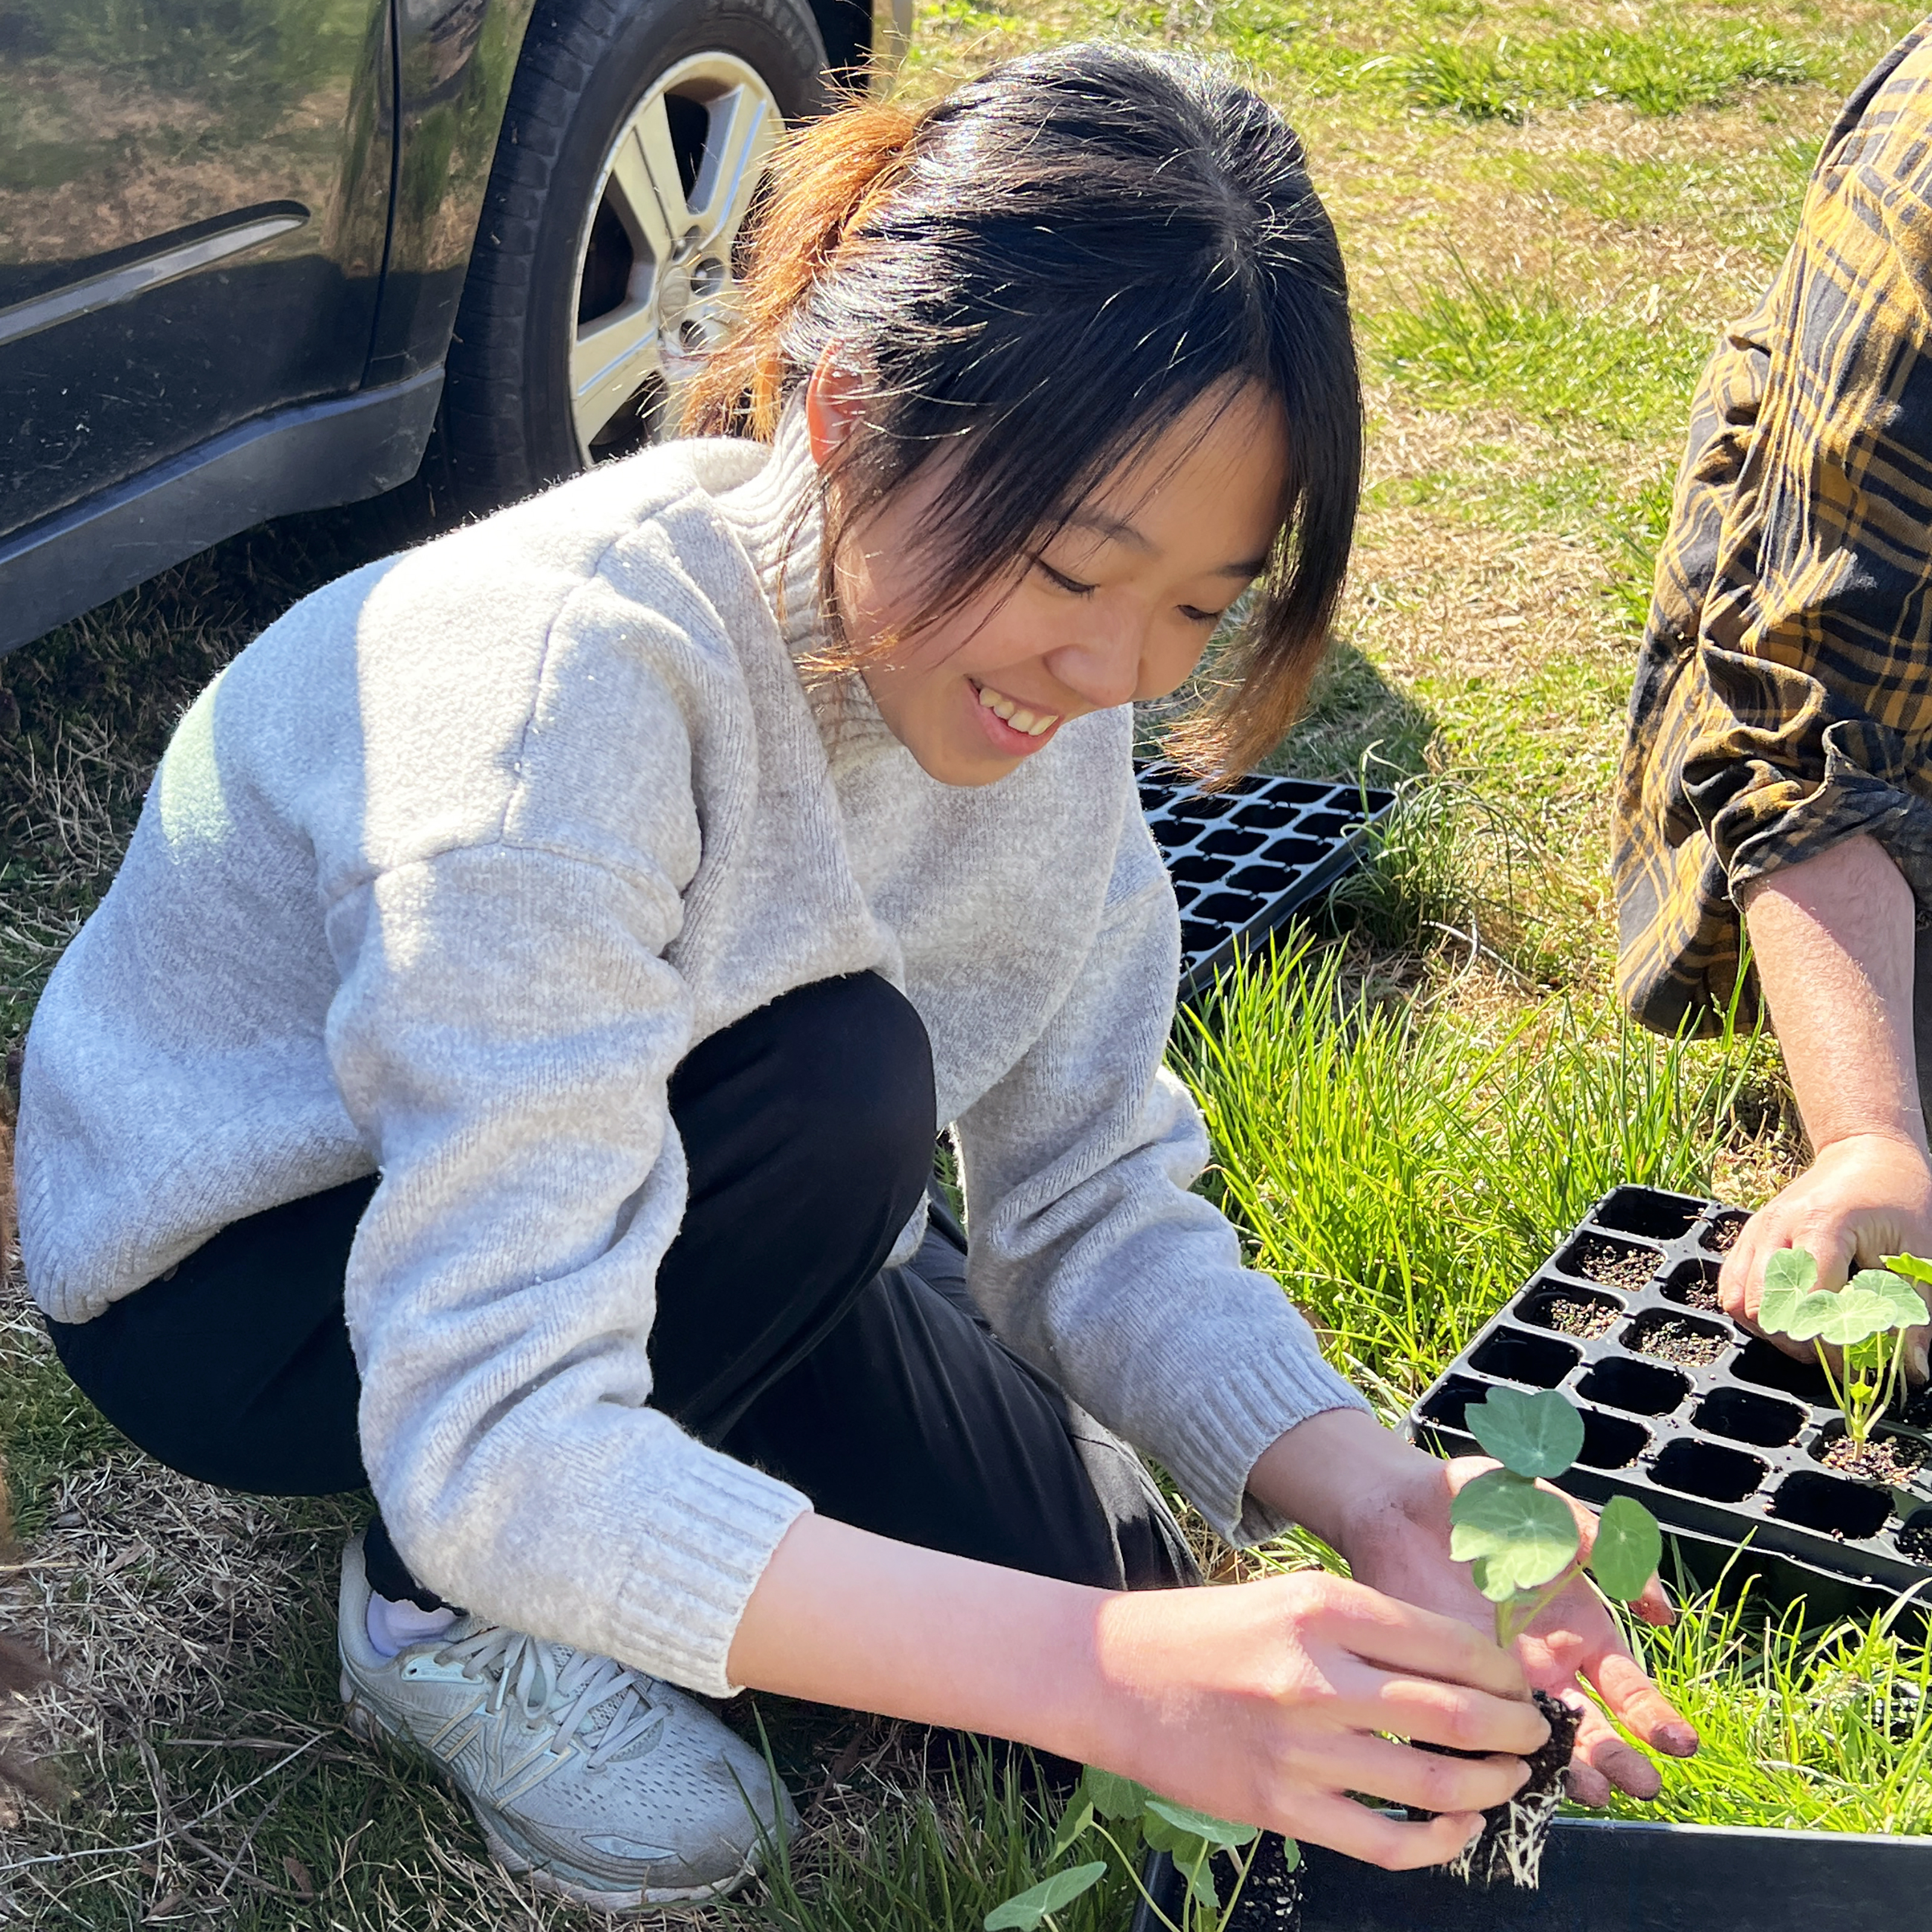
(1515, 341)
(1826, 1730)
(936, 1853)
(1404, 1168)
(1661, 70)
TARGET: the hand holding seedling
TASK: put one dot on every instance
(1522, 1540)
(1863, 1197)
(1395, 1533)
(1859, 1333)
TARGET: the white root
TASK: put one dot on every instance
(1516, 1852)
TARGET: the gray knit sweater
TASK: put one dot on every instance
(443, 876)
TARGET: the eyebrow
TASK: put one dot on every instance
(1121, 532)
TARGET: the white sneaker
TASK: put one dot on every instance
(603, 1785)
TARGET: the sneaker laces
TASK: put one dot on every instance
(565, 1687)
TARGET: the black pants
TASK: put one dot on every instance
(807, 1129)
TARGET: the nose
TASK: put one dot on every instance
(1101, 666)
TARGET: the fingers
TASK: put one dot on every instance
(1376, 1839)
(1601, 1759)
(1384, 1630)
(1654, 1606)
(1438, 1713)
(1379, 1768)
(1637, 1704)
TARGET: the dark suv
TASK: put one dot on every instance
(253, 252)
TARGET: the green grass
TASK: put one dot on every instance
(1821, 1730)
(1406, 1169)
(937, 1855)
(1660, 70)
(1518, 343)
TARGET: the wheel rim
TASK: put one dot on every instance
(655, 283)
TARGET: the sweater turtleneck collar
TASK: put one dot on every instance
(781, 525)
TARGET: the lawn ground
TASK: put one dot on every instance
(1548, 213)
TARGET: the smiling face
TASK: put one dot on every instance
(1116, 606)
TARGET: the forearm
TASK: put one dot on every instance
(844, 1617)
(1333, 1472)
(1834, 942)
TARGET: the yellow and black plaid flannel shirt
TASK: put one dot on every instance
(1783, 695)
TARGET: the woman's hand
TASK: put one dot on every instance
(1384, 1505)
(1863, 1197)
(1263, 1702)
(1836, 951)
(1398, 1541)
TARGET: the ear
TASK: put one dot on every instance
(834, 399)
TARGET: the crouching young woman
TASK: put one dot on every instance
(506, 1069)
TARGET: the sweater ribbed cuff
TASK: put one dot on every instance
(713, 1529)
(1225, 1425)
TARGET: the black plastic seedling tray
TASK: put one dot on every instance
(1612, 1875)
(1719, 1434)
(1244, 859)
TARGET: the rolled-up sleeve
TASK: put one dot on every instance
(1783, 696)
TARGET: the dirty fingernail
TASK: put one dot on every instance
(1679, 1740)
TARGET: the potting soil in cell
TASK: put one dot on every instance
(1736, 1447)
(1243, 860)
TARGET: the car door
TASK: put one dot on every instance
(194, 199)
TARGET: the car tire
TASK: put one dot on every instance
(635, 134)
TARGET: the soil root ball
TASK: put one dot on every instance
(1509, 1846)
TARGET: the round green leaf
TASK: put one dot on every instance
(1290, 1855)
(1025, 1909)
(1111, 1795)
(1788, 1277)
(1523, 1535)
(1628, 1548)
(1906, 1303)
(1216, 1830)
(1186, 1847)
(1911, 1267)
(1855, 1315)
(1538, 1435)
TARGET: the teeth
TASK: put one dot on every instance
(1034, 724)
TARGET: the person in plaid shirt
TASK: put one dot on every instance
(1778, 770)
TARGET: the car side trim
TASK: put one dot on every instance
(134, 278)
(309, 457)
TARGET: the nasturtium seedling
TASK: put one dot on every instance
(1866, 1321)
(1036, 1905)
(1522, 1542)
(1130, 1820)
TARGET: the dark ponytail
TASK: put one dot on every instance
(1044, 270)
(824, 182)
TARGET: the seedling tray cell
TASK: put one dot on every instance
(1245, 859)
(1720, 1435)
